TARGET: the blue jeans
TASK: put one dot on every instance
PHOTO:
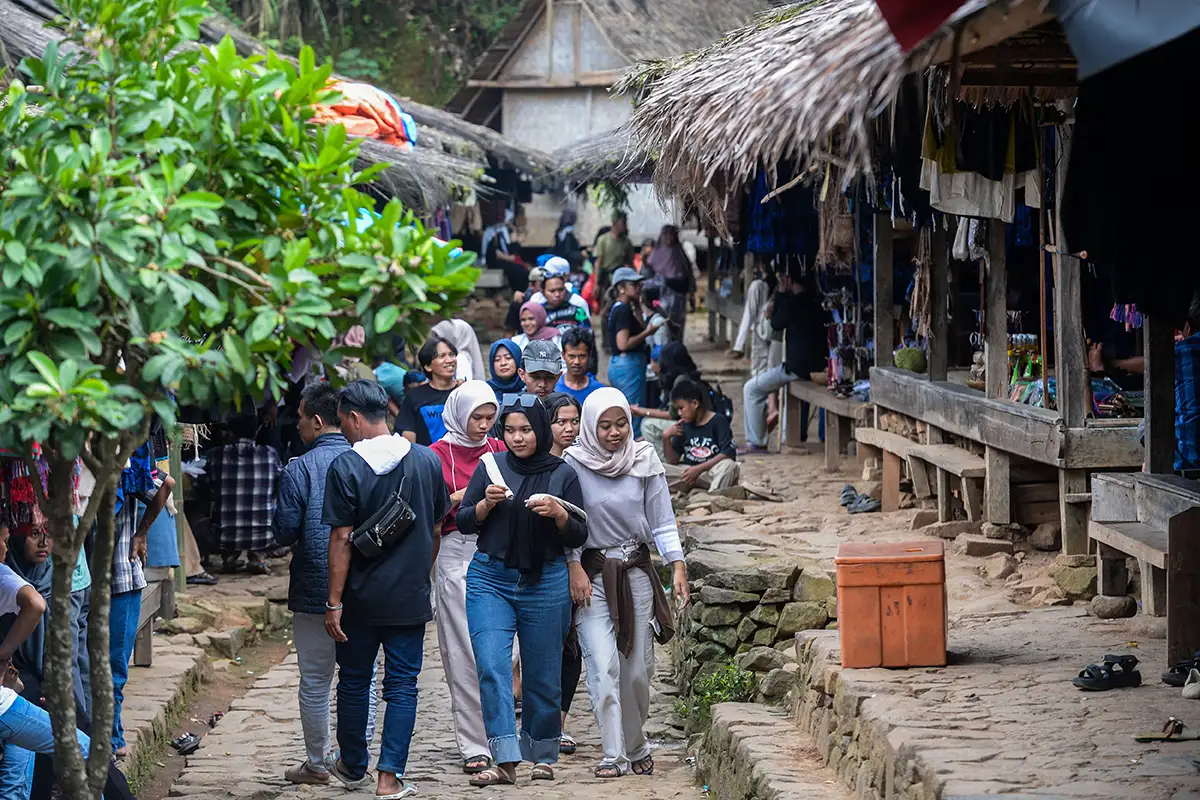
(80, 608)
(123, 617)
(403, 651)
(25, 730)
(627, 373)
(503, 602)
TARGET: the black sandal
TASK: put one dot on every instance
(1177, 675)
(643, 766)
(484, 760)
(1115, 672)
(607, 771)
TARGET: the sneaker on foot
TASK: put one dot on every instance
(302, 773)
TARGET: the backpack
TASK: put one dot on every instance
(720, 402)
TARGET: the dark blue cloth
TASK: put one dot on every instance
(403, 651)
(298, 522)
(513, 385)
(1187, 403)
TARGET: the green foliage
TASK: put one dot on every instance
(175, 227)
(609, 196)
(728, 684)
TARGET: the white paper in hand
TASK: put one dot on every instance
(494, 474)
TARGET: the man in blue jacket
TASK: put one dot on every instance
(298, 524)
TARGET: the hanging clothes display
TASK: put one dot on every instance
(787, 224)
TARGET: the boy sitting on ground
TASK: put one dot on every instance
(699, 447)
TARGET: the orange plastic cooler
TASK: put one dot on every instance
(892, 604)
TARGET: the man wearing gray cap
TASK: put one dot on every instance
(541, 364)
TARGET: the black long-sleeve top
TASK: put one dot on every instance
(802, 316)
(493, 531)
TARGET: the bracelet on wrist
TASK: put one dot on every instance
(338, 607)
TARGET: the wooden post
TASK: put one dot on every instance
(549, 39)
(1160, 395)
(1113, 578)
(712, 290)
(1070, 369)
(836, 435)
(175, 465)
(939, 291)
(997, 491)
(1183, 585)
(885, 324)
(995, 313)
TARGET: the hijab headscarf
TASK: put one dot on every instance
(460, 333)
(31, 652)
(503, 386)
(460, 405)
(669, 261)
(528, 533)
(634, 458)
(544, 332)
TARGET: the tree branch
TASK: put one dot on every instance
(216, 273)
(245, 270)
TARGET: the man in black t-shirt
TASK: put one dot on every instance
(699, 447)
(382, 600)
(420, 417)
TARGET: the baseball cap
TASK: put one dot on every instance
(623, 274)
(557, 266)
(542, 356)
(537, 274)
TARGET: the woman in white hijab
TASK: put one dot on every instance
(471, 366)
(469, 413)
(613, 581)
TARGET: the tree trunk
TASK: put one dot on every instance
(98, 650)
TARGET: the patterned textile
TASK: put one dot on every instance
(243, 478)
(127, 575)
(1187, 403)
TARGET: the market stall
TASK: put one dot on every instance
(826, 84)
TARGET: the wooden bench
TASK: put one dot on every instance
(158, 600)
(945, 459)
(1169, 562)
(840, 416)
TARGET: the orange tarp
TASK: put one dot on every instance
(365, 111)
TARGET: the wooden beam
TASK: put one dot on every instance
(996, 313)
(1160, 395)
(712, 289)
(589, 80)
(885, 324)
(939, 290)
(1048, 50)
(1070, 366)
(1073, 517)
(990, 27)
(1013, 76)
(550, 39)
(175, 468)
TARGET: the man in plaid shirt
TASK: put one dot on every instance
(243, 479)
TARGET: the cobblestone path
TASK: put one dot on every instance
(246, 754)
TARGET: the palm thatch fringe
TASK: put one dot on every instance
(606, 158)
(421, 179)
(801, 83)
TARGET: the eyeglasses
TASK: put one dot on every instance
(524, 400)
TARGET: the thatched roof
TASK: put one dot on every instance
(451, 152)
(801, 82)
(610, 156)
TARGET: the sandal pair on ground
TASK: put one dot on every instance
(856, 503)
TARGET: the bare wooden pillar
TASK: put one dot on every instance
(885, 324)
(175, 465)
(939, 292)
(710, 299)
(1160, 395)
(1070, 369)
(997, 496)
(837, 430)
(996, 313)
(1183, 585)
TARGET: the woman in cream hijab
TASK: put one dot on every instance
(613, 581)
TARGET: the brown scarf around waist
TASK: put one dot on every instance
(614, 573)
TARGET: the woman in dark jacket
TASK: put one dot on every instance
(517, 582)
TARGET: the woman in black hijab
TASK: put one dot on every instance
(518, 584)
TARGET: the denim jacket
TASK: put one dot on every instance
(298, 522)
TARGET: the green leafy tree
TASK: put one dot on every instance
(172, 229)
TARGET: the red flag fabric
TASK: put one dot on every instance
(913, 20)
